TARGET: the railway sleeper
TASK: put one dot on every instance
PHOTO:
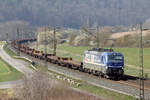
(86, 70)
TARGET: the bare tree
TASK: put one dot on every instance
(37, 87)
(41, 87)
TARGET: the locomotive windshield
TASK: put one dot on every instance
(115, 58)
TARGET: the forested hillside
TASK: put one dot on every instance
(73, 13)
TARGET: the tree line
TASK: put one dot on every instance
(73, 13)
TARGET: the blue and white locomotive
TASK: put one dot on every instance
(104, 62)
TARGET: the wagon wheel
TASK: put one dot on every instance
(89, 72)
(58, 63)
(67, 65)
(106, 76)
(102, 75)
(81, 69)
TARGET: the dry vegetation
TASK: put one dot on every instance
(4, 96)
(40, 87)
(87, 36)
(108, 39)
(108, 36)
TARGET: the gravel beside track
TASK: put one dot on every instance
(100, 82)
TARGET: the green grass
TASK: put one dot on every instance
(8, 73)
(8, 51)
(2, 42)
(21, 58)
(105, 93)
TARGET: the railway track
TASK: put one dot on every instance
(128, 83)
(134, 81)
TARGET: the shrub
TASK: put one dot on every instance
(40, 86)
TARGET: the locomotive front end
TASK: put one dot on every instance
(115, 64)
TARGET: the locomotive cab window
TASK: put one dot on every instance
(115, 58)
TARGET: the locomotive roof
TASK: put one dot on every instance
(101, 50)
(102, 53)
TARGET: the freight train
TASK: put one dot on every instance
(101, 62)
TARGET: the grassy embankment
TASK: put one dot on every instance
(131, 56)
(14, 55)
(7, 72)
(7, 94)
(8, 51)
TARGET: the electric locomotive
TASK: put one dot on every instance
(104, 62)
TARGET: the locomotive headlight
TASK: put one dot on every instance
(106, 67)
